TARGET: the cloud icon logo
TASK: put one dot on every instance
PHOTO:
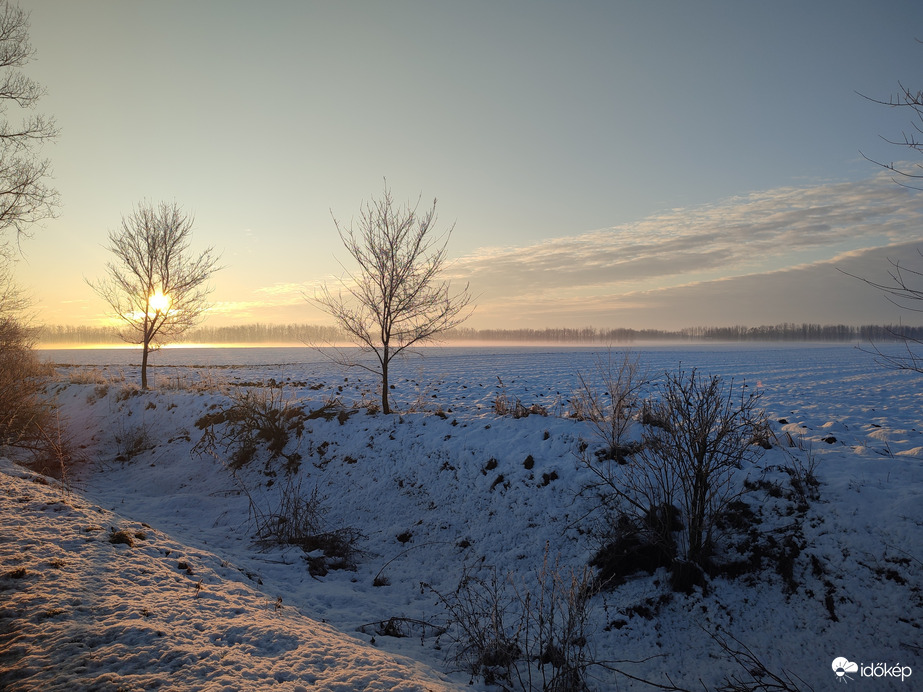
(841, 666)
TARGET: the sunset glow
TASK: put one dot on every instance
(159, 302)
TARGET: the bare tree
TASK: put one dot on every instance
(156, 286)
(25, 195)
(395, 299)
(905, 99)
(903, 287)
(27, 417)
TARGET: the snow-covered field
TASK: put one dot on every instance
(445, 487)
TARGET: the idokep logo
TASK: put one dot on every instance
(846, 670)
(842, 667)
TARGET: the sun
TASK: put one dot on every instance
(159, 302)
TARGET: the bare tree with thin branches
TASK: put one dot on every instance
(903, 287)
(906, 99)
(395, 298)
(25, 195)
(27, 416)
(157, 286)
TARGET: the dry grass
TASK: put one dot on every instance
(195, 380)
(87, 375)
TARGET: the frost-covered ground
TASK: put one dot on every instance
(446, 486)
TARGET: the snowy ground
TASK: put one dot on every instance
(446, 486)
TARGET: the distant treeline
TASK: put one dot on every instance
(778, 332)
(239, 334)
(316, 334)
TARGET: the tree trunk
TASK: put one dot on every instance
(697, 520)
(144, 353)
(385, 360)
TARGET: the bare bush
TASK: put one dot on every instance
(486, 626)
(256, 417)
(672, 492)
(29, 420)
(523, 636)
(196, 380)
(132, 441)
(802, 473)
(608, 400)
(557, 609)
(708, 434)
(755, 676)
(23, 411)
(88, 375)
(298, 518)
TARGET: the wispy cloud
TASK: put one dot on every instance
(818, 292)
(287, 293)
(758, 234)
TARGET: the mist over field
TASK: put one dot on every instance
(58, 336)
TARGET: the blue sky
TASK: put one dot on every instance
(640, 164)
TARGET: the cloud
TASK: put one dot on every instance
(286, 293)
(759, 234)
(270, 311)
(820, 292)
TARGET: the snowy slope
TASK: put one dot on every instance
(447, 486)
(81, 612)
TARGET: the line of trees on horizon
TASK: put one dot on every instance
(319, 335)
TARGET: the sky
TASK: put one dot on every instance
(611, 164)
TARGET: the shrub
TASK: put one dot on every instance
(674, 490)
(127, 390)
(525, 636)
(86, 375)
(196, 380)
(100, 391)
(608, 401)
(708, 435)
(802, 473)
(254, 418)
(131, 441)
(122, 536)
(299, 519)
(29, 421)
(755, 676)
(486, 626)
(22, 377)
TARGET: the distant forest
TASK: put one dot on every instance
(296, 334)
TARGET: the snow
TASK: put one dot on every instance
(197, 604)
